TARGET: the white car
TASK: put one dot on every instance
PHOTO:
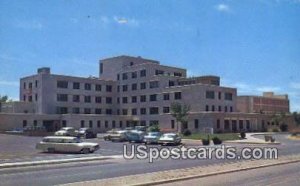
(66, 131)
(169, 138)
(66, 144)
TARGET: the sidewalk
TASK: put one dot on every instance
(250, 139)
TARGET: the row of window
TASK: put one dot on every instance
(143, 85)
(87, 99)
(211, 95)
(30, 98)
(87, 86)
(143, 73)
(152, 97)
(30, 84)
(213, 108)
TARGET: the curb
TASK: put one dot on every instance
(55, 161)
(212, 174)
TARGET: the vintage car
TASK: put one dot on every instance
(66, 144)
(66, 131)
(169, 138)
(152, 137)
(119, 136)
(135, 136)
(108, 134)
(87, 133)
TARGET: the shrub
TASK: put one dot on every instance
(206, 141)
(217, 141)
(275, 130)
(186, 132)
(284, 127)
(154, 128)
(243, 135)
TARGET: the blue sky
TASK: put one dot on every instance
(253, 45)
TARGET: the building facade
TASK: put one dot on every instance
(131, 91)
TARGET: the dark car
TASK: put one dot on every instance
(86, 133)
(135, 136)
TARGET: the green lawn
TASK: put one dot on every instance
(223, 137)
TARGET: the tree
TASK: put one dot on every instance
(154, 128)
(180, 112)
(296, 117)
(278, 118)
(3, 99)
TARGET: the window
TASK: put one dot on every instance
(87, 86)
(76, 85)
(159, 72)
(219, 108)
(62, 84)
(24, 85)
(143, 111)
(127, 123)
(171, 83)
(177, 95)
(143, 98)
(61, 97)
(218, 124)
(36, 83)
(248, 124)
(143, 123)
(24, 123)
(143, 86)
(118, 100)
(91, 124)
(220, 95)
(172, 124)
(108, 88)
(98, 123)
(87, 111)
(76, 98)
(98, 111)
(64, 123)
(226, 124)
(213, 108)
(124, 76)
(134, 86)
(124, 100)
(143, 73)
(153, 122)
(178, 74)
(210, 95)
(134, 75)
(228, 96)
(206, 108)
(35, 123)
(153, 110)
(231, 109)
(120, 124)
(87, 99)
(118, 76)
(108, 111)
(131, 63)
(166, 109)
(98, 87)
(75, 110)
(113, 124)
(61, 110)
(124, 111)
(24, 97)
(108, 100)
(133, 111)
(106, 124)
(241, 124)
(153, 97)
(30, 98)
(98, 99)
(154, 84)
(225, 108)
(133, 99)
(196, 123)
(82, 124)
(166, 96)
(36, 97)
(101, 68)
(124, 88)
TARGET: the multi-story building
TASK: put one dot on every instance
(129, 91)
(268, 103)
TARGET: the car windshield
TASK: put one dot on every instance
(82, 129)
(169, 135)
(153, 134)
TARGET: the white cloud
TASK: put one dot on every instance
(30, 25)
(295, 85)
(9, 83)
(222, 8)
(125, 21)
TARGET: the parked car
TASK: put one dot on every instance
(152, 137)
(120, 136)
(66, 144)
(87, 133)
(169, 138)
(107, 135)
(66, 131)
(135, 136)
(140, 128)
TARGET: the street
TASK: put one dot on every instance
(75, 172)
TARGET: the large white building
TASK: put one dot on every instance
(129, 91)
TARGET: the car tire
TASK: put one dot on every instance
(85, 151)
